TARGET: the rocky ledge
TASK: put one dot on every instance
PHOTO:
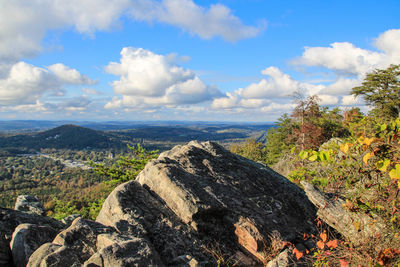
(192, 206)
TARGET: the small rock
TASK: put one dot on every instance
(26, 239)
(29, 204)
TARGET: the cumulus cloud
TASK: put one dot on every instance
(68, 75)
(346, 59)
(149, 79)
(217, 20)
(328, 100)
(389, 43)
(144, 73)
(25, 83)
(277, 84)
(350, 100)
(25, 23)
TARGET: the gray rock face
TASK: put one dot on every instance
(203, 193)
(81, 237)
(53, 255)
(9, 220)
(134, 212)
(224, 195)
(29, 204)
(26, 239)
(135, 252)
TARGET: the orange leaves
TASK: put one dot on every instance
(323, 236)
(332, 244)
(298, 253)
(320, 245)
(343, 263)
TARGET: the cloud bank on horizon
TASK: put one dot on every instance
(149, 82)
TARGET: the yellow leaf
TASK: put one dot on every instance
(344, 147)
(357, 225)
(368, 141)
(367, 157)
(395, 173)
(382, 165)
(360, 139)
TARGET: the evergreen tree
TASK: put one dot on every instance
(381, 89)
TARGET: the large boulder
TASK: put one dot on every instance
(81, 237)
(26, 239)
(200, 195)
(29, 204)
(53, 255)
(9, 220)
(135, 212)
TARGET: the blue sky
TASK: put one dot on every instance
(232, 60)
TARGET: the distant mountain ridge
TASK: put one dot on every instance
(63, 137)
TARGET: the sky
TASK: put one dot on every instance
(228, 60)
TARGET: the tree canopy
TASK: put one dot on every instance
(381, 89)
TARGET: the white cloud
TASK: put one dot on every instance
(278, 108)
(346, 59)
(389, 42)
(328, 100)
(350, 100)
(343, 58)
(28, 108)
(277, 85)
(341, 86)
(144, 73)
(91, 91)
(25, 83)
(149, 79)
(217, 20)
(68, 75)
(25, 23)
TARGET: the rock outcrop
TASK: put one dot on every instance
(203, 193)
(27, 238)
(196, 205)
(10, 220)
(29, 204)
